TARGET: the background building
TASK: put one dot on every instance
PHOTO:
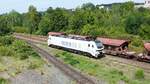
(145, 4)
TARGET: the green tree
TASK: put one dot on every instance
(77, 21)
(44, 25)
(126, 8)
(53, 20)
(88, 6)
(133, 23)
(32, 19)
(90, 30)
(14, 19)
(144, 31)
(4, 28)
(59, 20)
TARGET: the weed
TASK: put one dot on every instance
(117, 72)
(19, 29)
(23, 49)
(23, 56)
(57, 55)
(33, 66)
(94, 69)
(6, 40)
(3, 81)
(5, 51)
(35, 63)
(139, 74)
(2, 68)
(69, 58)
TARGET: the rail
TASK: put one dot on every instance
(132, 62)
(77, 76)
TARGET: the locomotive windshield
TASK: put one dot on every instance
(99, 44)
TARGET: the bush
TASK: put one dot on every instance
(136, 44)
(6, 40)
(20, 29)
(144, 31)
(21, 46)
(18, 44)
(5, 51)
(5, 30)
(23, 56)
(133, 23)
(23, 49)
(139, 74)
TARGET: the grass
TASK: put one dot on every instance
(6, 40)
(5, 51)
(98, 68)
(111, 75)
(3, 81)
(94, 69)
(35, 63)
(139, 74)
(17, 56)
(2, 67)
(102, 69)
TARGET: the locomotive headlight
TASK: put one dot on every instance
(103, 51)
(97, 53)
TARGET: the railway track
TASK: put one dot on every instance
(143, 65)
(77, 76)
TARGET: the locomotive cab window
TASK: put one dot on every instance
(98, 44)
(92, 46)
(88, 45)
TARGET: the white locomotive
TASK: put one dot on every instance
(95, 48)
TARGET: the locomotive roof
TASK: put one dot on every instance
(147, 46)
(88, 38)
(80, 36)
(112, 42)
(77, 37)
(56, 33)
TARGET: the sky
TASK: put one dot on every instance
(41, 5)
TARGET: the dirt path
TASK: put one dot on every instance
(50, 75)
